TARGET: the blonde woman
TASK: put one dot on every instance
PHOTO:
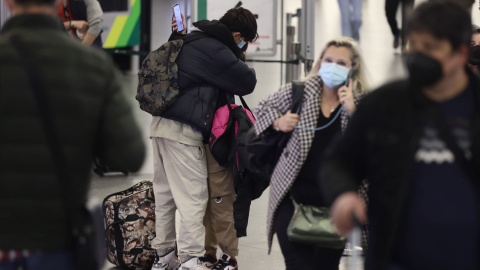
(333, 87)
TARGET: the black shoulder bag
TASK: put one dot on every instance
(78, 217)
(265, 149)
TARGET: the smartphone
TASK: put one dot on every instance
(178, 17)
(350, 75)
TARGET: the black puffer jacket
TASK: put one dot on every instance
(206, 66)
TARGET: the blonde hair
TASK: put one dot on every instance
(360, 85)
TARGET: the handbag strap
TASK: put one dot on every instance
(53, 141)
(298, 90)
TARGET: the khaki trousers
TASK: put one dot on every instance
(179, 182)
(218, 220)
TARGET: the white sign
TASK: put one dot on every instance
(266, 10)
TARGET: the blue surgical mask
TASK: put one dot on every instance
(241, 44)
(333, 75)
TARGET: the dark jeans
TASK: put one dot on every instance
(57, 260)
(299, 256)
(391, 7)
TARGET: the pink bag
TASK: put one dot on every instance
(223, 135)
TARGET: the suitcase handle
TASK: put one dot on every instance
(136, 252)
(128, 218)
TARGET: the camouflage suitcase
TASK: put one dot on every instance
(130, 226)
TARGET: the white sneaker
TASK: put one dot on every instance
(193, 264)
(166, 262)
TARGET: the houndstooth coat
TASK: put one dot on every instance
(296, 151)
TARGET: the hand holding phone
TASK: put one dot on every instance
(345, 94)
(178, 16)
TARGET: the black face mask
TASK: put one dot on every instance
(423, 70)
(474, 58)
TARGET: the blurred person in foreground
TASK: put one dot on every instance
(91, 116)
(417, 143)
(334, 87)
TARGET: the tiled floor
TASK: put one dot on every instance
(383, 64)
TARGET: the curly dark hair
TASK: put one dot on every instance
(241, 20)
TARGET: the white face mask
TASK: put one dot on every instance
(241, 44)
(333, 75)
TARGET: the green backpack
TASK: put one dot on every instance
(158, 77)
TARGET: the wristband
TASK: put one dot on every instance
(70, 25)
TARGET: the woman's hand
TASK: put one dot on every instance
(287, 122)
(345, 95)
(80, 25)
(175, 28)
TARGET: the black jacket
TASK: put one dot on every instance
(208, 68)
(379, 145)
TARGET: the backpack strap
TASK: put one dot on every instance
(244, 103)
(298, 90)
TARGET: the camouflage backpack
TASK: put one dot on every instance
(158, 77)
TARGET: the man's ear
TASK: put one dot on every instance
(236, 34)
(463, 52)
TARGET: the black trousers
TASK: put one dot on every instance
(299, 256)
(391, 7)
